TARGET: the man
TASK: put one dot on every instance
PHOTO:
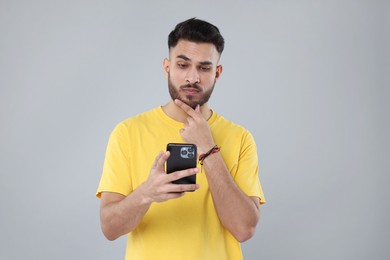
(138, 198)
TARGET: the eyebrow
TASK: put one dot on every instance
(181, 56)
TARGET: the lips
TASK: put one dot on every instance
(190, 90)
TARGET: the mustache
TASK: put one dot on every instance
(189, 85)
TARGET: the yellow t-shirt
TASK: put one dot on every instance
(188, 227)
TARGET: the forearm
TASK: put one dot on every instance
(120, 217)
(237, 212)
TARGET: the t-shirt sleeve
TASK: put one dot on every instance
(247, 177)
(116, 168)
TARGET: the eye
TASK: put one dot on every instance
(182, 65)
(205, 68)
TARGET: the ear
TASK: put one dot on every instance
(218, 72)
(166, 64)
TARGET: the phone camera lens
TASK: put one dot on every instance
(190, 155)
(190, 149)
(184, 152)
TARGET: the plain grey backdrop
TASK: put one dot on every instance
(309, 79)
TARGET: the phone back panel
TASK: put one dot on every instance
(182, 156)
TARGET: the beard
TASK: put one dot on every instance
(190, 100)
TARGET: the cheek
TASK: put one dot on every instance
(177, 75)
(209, 78)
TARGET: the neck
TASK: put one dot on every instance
(176, 113)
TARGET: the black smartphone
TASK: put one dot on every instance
(182, 156)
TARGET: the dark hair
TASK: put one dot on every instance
(198, 31)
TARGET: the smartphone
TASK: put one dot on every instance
(182, 156)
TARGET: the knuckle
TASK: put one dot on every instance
(183, 187)
(187, 172)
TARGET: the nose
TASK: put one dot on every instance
(192, 76)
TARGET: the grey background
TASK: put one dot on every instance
(309, 79)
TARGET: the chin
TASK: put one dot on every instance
(193, 103)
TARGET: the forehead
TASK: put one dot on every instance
(195, 52)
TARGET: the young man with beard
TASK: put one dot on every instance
(138, 198)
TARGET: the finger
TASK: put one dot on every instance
(173, 195)
(161, 159)
(181, 174)
(179, 188)
(190, 120)
(186, 108)
(168, 196)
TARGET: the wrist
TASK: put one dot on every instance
(203, 156)
(205, 148)
(142, 193)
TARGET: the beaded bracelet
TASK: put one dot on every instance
(203, 156)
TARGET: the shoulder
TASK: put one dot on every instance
(142, 118)
(137, 122)
(222, 124)
(227, 131)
